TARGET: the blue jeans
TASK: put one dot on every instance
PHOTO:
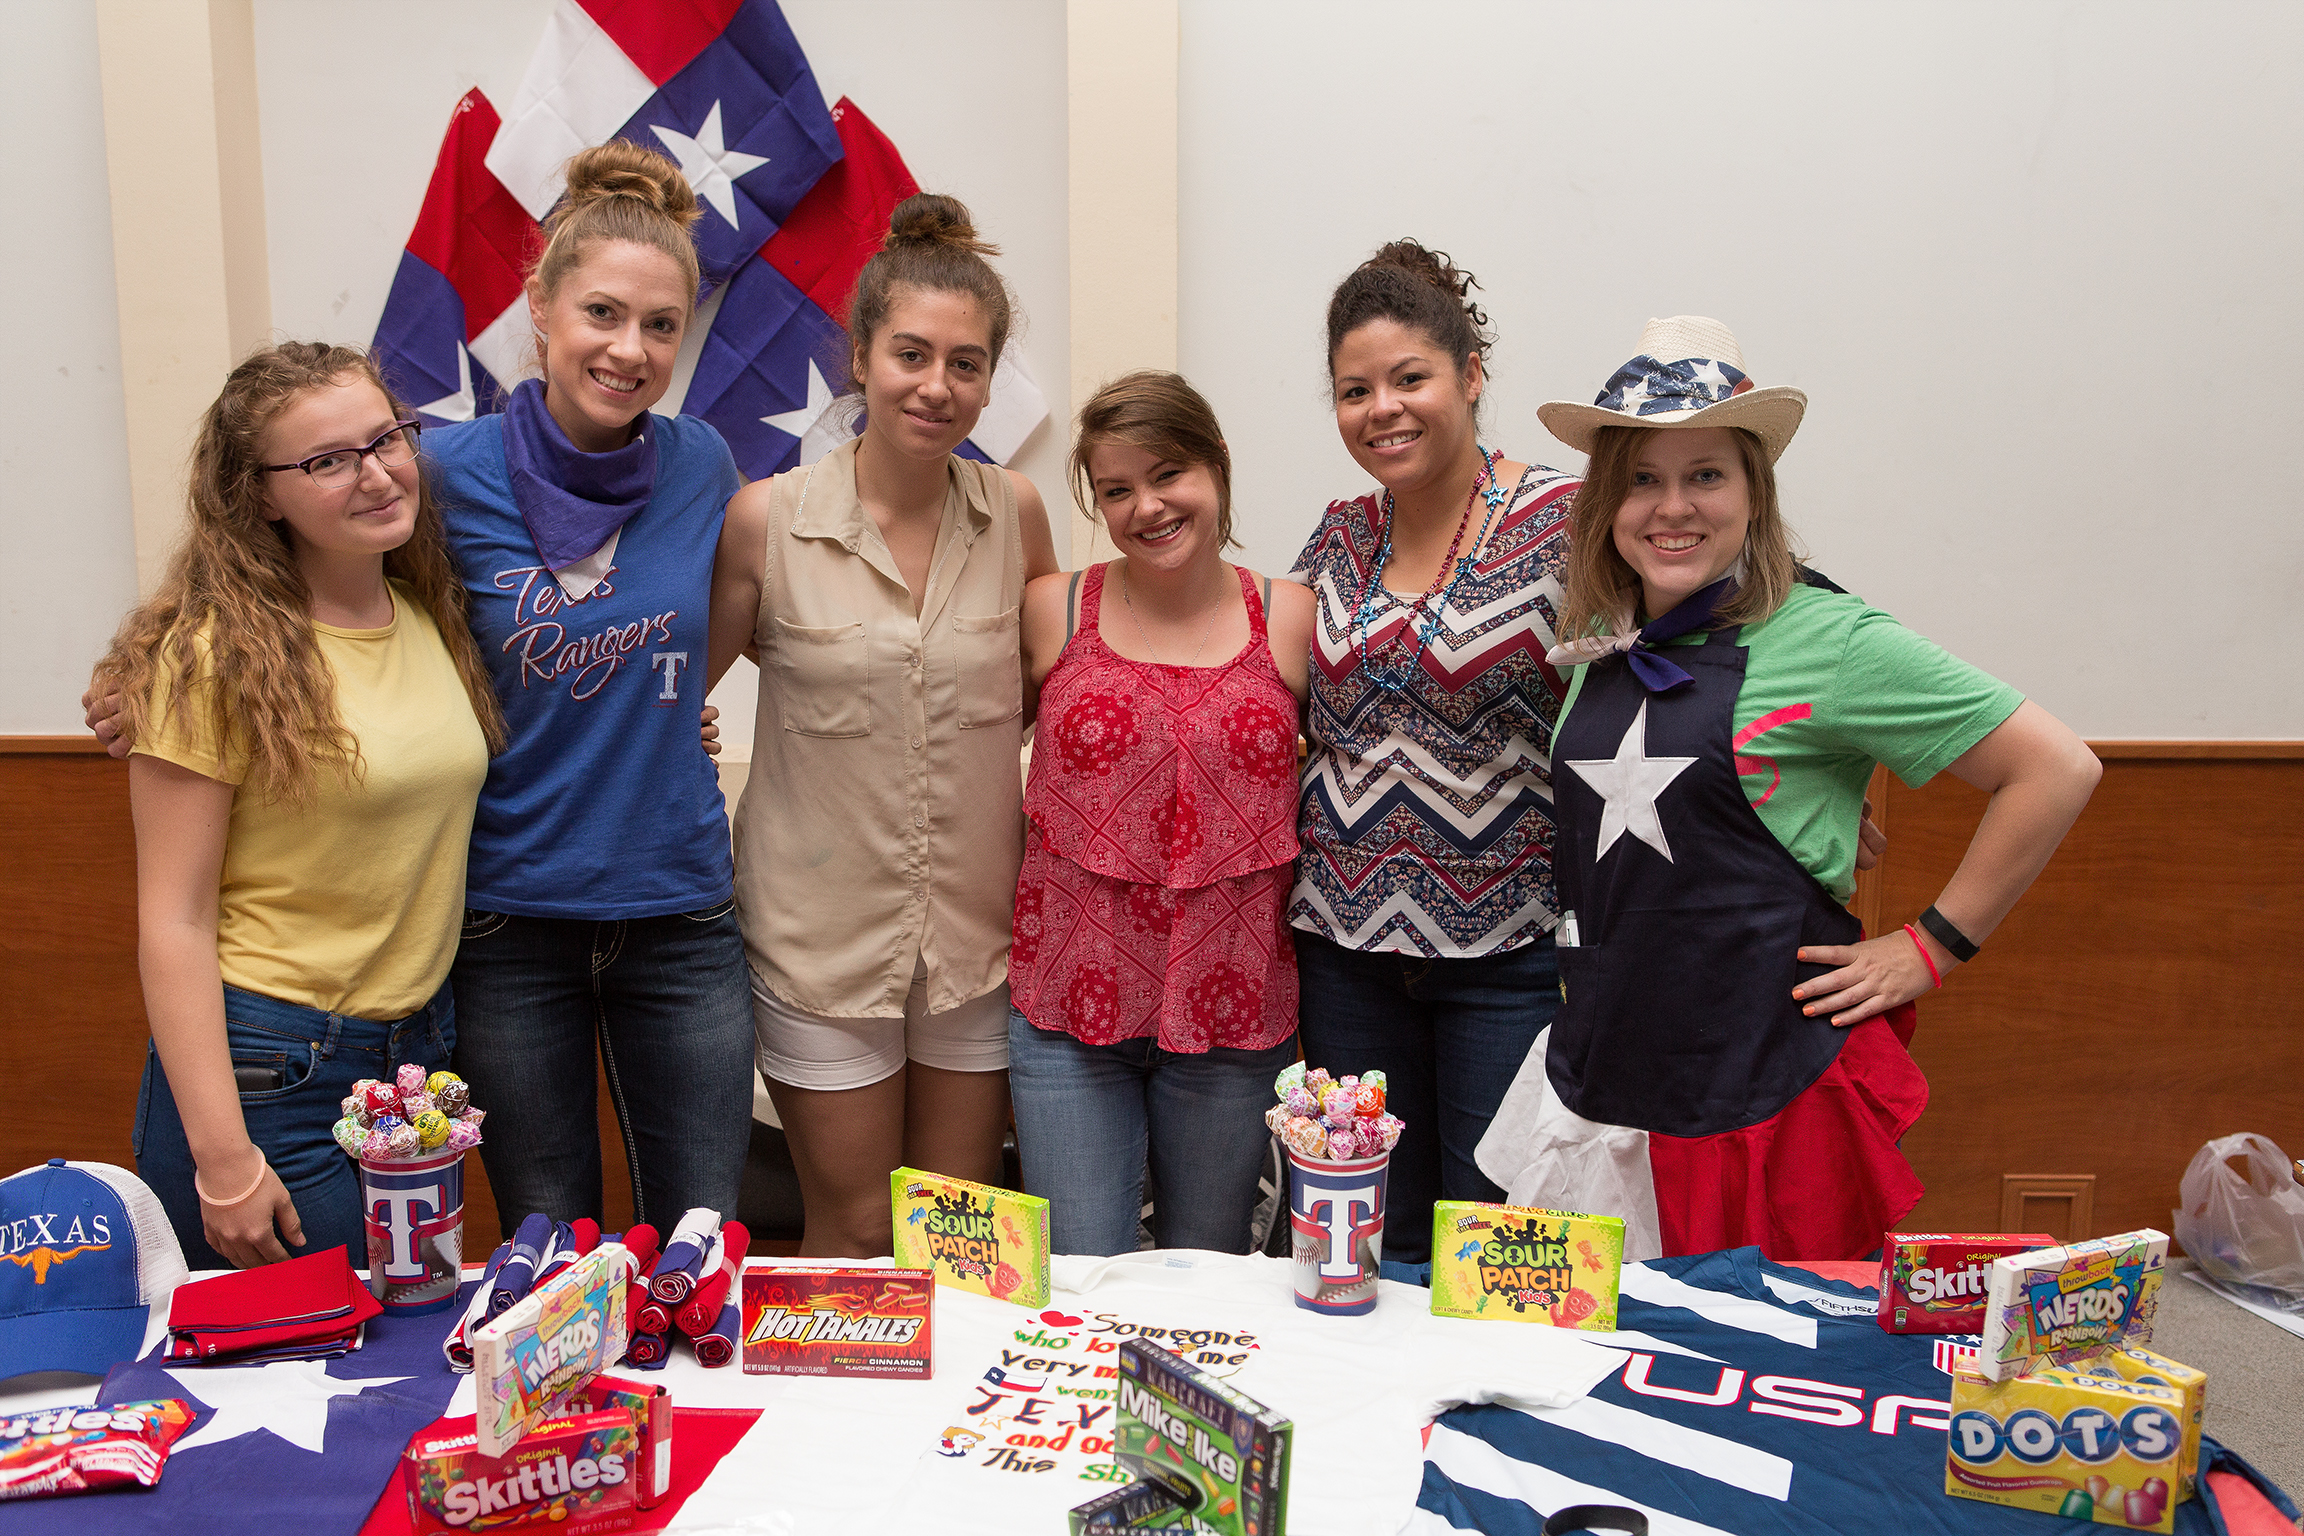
(319, 1056)
(667, 1001)
(1089, 1117)
(1449, 1034)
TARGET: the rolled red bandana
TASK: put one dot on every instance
(701, 1311)
(717, 1347)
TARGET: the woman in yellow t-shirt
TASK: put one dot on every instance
(312, 724)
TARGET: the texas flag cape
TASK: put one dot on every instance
(795, 198)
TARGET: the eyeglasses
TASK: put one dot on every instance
(341, 466)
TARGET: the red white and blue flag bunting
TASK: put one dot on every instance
(796, 198)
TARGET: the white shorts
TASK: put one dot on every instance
(808, 1050)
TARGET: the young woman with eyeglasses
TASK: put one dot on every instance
(312, 722)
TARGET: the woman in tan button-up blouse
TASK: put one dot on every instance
(878, 839)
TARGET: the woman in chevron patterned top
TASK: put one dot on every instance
(1424, 900)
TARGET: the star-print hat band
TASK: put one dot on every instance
(1689, 373)
(85, 1249)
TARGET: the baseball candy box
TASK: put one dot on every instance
(1223, 1454)
(822, 1320)
(1523, 1264)
(1934, 1282)
(2058, 1306)
(972, 1236)
(2084, 1447)
(576, 1474)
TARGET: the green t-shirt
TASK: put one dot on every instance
(1836, 685)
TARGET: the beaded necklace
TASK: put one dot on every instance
(1424, 611)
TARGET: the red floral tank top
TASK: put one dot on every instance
(1160, 847)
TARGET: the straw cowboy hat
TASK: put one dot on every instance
(1688, 374)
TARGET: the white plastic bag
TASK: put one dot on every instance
(2247, 1232)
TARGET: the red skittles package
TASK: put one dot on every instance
(1934, 1282)
(577, 1474)
(817, 1320)
(78, 1449)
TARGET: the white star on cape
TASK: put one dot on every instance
(458, 406)
(812, 423)
(1630, 782)
(289, 1398)
(710, 166)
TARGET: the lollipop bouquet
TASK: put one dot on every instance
(410, 1117)
(1337, 1118)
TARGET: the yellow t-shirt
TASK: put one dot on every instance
(351, 904)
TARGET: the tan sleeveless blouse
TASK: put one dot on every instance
(883, 817)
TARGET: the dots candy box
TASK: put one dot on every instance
(1934, 1282)
(2057, 1306)
(972, 1236)
(549, 1343)
(1222, 1453)
(822, 1320)
(577, 1473)
(2084, 1447)
(2141, 1365)
(1524, 1264)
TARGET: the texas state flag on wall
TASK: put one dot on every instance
(796, 197)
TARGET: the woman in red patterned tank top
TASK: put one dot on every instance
(1152, 974)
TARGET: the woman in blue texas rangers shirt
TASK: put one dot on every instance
(599, 897)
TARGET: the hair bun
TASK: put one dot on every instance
(931, 218)
(1436, 268)
(621, 168)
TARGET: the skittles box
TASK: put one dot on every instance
(573, 1475)
(821, 1320)
(1223, 1454)
(547, 1344)
(2058, 1306)
(1933, 1282)
(2141, 1365)
(2083, 1447)
(1520, 1264)
(974, 1237)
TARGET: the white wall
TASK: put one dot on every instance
(71, 565)
(2035, 266)
(355, 94)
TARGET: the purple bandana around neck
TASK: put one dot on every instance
(571, 500)
(1655, 673)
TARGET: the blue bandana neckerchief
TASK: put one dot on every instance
(1655, 673)
(571, 500)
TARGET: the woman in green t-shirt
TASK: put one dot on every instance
(1729, 1065)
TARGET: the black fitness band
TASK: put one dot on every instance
(1596, 1517)
(1956, 944)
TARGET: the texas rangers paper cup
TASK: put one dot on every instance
(414, 1211)
(1336, 1213)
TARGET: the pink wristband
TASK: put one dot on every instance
(1925, 959)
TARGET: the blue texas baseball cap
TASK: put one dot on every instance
(85, 1250)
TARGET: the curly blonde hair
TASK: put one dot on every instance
(233, 591)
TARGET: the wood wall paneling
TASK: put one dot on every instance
(71, 1008)
(2141, 1000)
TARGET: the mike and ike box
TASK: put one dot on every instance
(824, 1320)
(1934, 1282)
(1223, 1454)
(2085, 1447)
(1524, 1264)
(973, 1237)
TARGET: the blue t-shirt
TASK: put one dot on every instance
(605, 806)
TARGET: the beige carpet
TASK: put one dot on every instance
(2255, 1375)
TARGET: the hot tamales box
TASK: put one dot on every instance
(822, 1320)
(1514, 1263)
(974, 1237)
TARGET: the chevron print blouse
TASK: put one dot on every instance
(1426, 813)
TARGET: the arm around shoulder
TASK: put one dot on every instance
(739, 574)
(1032, 523)
(1290, 626)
